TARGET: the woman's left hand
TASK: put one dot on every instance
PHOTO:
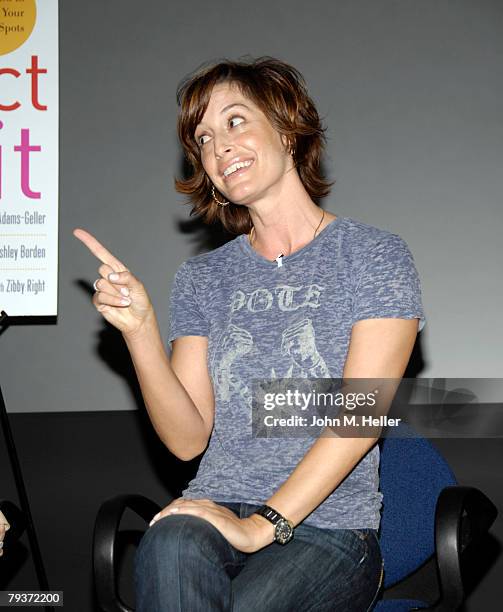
(246, 534)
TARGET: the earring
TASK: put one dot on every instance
(215, 198)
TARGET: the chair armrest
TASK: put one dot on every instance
(105, 530)
(462, 515)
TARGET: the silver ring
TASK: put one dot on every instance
(1, 544)
(94, 284)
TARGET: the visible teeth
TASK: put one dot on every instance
(237, 166)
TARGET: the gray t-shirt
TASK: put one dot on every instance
(290, 321)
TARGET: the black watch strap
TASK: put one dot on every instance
(283, 528)
(270, 514)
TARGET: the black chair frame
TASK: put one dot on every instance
(462, 516)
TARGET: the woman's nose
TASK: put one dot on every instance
(222, 146)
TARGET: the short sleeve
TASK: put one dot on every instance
(186, 317)
(388, 284)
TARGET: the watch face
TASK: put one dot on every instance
(283, 532)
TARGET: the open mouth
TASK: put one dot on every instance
(237, 169)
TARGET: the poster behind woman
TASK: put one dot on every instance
(28, 157)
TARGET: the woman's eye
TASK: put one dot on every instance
(201, 139)
(236, 118)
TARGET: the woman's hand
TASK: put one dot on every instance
(120, 297)
(4, 526)
(247, 534)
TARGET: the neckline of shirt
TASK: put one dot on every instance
(246, 247)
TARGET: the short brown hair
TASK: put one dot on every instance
(279, 90)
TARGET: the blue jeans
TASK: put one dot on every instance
(184, 564)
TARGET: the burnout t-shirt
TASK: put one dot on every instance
(290, 321)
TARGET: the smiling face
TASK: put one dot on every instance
(242, 154)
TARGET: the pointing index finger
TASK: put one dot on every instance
(99, 250)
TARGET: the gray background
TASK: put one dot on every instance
(411, 95)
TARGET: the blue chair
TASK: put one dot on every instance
(425, 513)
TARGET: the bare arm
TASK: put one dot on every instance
(178, 393)
(379, 348)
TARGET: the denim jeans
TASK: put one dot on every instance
(184, 564)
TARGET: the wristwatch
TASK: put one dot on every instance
(283, 528)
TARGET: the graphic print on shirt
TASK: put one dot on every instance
(298, 341)
(234, 343)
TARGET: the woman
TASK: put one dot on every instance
(299, 293)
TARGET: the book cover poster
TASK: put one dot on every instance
(29, 157)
